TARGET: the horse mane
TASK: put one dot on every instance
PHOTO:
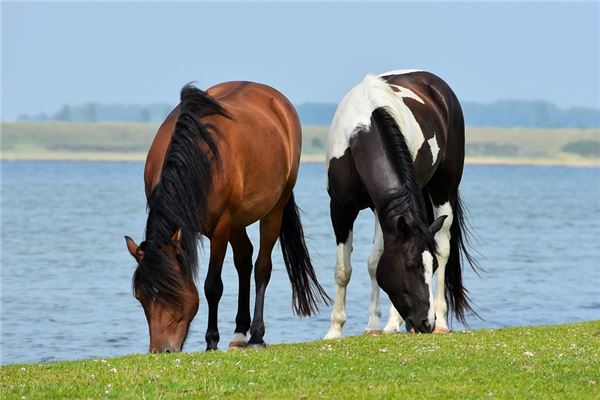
(407, 201)
(180, 199)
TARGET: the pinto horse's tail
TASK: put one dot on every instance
(306, 290)
(456, 294)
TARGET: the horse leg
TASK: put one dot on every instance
(342, 219)
(442, 240)
(375, 304)
(394, 321)
(213, 286)
(242, 258)
(442, 205)
(270, 226)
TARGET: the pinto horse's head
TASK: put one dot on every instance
(169, 297)
(405, 272)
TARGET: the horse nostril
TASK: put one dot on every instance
(427, 326)
(167, 350)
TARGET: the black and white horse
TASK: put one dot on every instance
(396, 146)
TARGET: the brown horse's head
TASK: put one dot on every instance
(167, 293)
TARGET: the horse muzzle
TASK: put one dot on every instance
(167, 348)
(423, 327)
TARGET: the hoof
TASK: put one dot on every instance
(333, 335)
(440, 329)
(237, 345)
(373, 332)
(256, 346)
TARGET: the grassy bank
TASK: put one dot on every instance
(119, 142)
(528, 362)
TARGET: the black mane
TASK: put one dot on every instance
(408, 200)
(180, 199)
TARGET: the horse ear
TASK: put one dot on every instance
(177, 236)
(437, 224)
(134, 249)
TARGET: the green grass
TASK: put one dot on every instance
(123, 141)
(529, 362)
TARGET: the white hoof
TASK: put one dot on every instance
(441, 329)
(238, 340)
(333, 334)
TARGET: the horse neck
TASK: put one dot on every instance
(167, 213)
(399, 194)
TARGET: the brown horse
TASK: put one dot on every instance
(222, 160)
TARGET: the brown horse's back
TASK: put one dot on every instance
(258, 146)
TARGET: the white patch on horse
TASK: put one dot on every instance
(238, 337)
(442, 241)
(354, 113)
(374, 312)
(394, 321)
(407, 93)
(343, 272)
(428, 274)
(435, 149)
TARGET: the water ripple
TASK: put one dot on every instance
(66, 275)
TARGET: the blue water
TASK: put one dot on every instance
(66, 273)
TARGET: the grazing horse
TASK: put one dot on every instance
(222, 160)
(396, 145)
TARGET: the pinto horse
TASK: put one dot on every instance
(222, 160)
(396, 145)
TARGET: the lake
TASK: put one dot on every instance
(66, 273)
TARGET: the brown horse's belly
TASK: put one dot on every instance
(256, 187)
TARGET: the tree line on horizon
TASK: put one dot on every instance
(503, 113)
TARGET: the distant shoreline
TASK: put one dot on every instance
(128, 142)
(308, 158)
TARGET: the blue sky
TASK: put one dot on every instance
(142, 52)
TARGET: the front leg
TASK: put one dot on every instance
(343, 272)
(342, 219)
(375, 304)
(213, 285)
(394, 321)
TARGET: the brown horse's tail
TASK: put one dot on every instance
(306, 291)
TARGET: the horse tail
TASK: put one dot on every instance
(306, 290)
(456, 294)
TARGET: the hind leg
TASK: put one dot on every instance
(442, 204)
(342, 218)
(270, 226)
(242, 258)
(442, 240)
(375, 304)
